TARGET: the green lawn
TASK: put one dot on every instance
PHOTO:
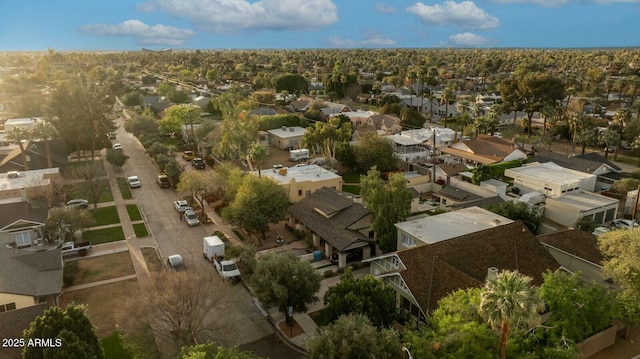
(75, 191)
(106, 215)
(113, 348)
(124, 188)
(351, 189)
(105, 235)
(353, 177)
(140, 229)
(134, 212)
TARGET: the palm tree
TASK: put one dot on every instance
(448, 94)
(510, 298)
(257, 153)
(19, 134)
(621, 117)
(44, 130)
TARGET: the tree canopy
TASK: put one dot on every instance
(373, 150)
(70, 327)
(327, 136)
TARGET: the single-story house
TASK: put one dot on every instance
(569, 208)
(286, 138)
(484, 150)
(549, 179)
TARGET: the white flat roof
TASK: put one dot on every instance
(449, 225)
(550, 172)
(584, 200)
(25, 121)
(287, 133)
(26, 179)
(403, 140)
(300, 174)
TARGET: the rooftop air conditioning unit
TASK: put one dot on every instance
(291, 129)
(284, 128)
(13, 174)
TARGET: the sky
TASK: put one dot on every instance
(88, 25)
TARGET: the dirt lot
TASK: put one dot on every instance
(103, 267)
(101, 301)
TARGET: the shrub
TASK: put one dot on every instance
(70, 270)
(328, 273)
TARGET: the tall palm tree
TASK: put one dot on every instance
(19, 134)
(622, 116)
(44, 130)
(257, 153)
(510, 298)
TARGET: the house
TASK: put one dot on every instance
(14, 322)
(358, 118)
(36, 153)
(36, 185)
(422, 275)
(263, 111)
(286, 138)
(577, 251)
(389, 124)
(593, 163)
(432, 229)
(569, 208)
(549, 179)
(484, 150)
(25, 122)
(334, 222)
(299, 105)
(302, 180)
(408, 149)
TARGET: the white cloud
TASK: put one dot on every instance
(546, 3)
(227, 16)
(143, 33)
(467, 39)
(450, 13)
(371, 39)
(383, 8)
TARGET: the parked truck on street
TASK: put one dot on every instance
(71, 248)
(213, 250)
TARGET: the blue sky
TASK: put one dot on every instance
(224, 24)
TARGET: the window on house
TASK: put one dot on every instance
(7, 307)
(395, 262)
(371, 234)
(599, 218)
(299, 192)
(610, 215)
(407, 240)
(23, 239)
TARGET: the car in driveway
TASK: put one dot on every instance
(181, 205)
(188, 155)
(176, 263)
(111, 135)
(77, 203)
(134, 182)
(117, 146)
(163, 181)
(198, 163)
(623, 224)
(353, 255)
(190, 217)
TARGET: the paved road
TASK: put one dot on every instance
(239, 318)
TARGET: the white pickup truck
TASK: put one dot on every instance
(227, 268)
(213, 250)
(71, 248)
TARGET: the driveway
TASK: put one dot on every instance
(243, 320)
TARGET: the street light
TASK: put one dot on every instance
(433, 156)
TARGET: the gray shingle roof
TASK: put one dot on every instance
(31, 273)
(14, 322)
(587, 163)
(457, 194)
(12, 212)
(329, 213)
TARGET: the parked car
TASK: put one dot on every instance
(111, 135)
(117, 146)
(134, 182)
(163, 181)
(176, 263)
(190, 217)
(71, 248)
(351, 256)
(198, 163)
(188, 155)
(610, 149)
(78, 203)
(181, 205)
(623, 224)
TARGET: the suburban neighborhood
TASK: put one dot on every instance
(176, 204)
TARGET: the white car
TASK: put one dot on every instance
(190, 217)
(623, 224)
(181, 205)
(176, 263)
(117, 146)
(134, 182)
(78, 203)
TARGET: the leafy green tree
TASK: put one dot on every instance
(70, 327)
(625, 185)
(64, 222)
(173, 170)
(283, 280)
(293, 83)
(245, 257)
(117, 158)
(518, 211)
(368, 296)
(586, 224)
(258, 203)
(185, 115)
(228, 178)
(578, 310)
(257, 153)
(455, 330)
(508, 299)
(412, 118)
(92, 182)
(132, 99)
(45, 131)
(143, 126)
(621, 250)
(388, 204)
(345, 154)
(373, 150)
(198, 183)
(327, 136)
(353, 337)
